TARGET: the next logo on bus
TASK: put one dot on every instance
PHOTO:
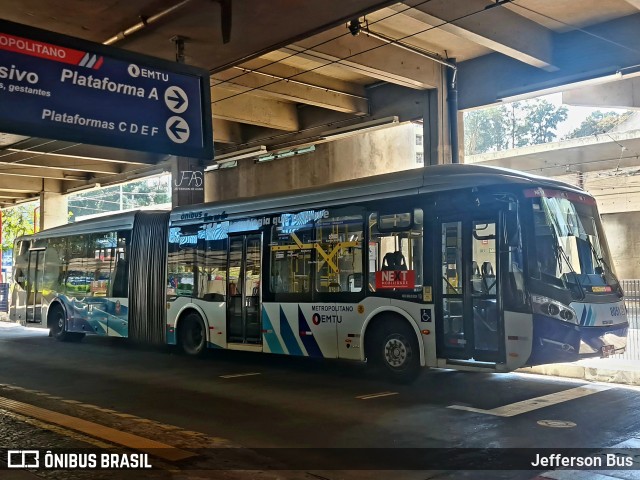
(395, 279)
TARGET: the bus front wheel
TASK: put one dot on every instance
(394, 350)
(192, 335)
(58, 326)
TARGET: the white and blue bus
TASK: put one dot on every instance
(453, 266)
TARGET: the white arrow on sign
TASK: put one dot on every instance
(176, 99)
(177, 129)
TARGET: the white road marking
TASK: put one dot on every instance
(369, 396)
(239, 375)
(538, 402)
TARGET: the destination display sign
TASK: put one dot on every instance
(63, 88)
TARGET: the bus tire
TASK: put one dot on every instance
(395, 351)
(192, 335)
(58, 326)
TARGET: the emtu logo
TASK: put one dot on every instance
(135, 71)
(315, 319)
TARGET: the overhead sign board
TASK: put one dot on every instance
(63, 88)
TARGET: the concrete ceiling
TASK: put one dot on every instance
(283, 72)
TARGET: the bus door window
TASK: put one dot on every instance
(34, 285)
(484, 299)
(18, 287)
(452, 286)
(395, 251)
(244, 324)
(253, 256)
(338, 250)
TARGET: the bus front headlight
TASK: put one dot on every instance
(554, 309)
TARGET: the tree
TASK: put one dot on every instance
(540, 122)
(16, 221)
(515, 125)
(485, 130)
(598, 122)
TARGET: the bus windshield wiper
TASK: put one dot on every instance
(603, 263)
(555, 228)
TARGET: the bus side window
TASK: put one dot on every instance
(395, 244)
(120, 283)
(291, 268)
(339, 262)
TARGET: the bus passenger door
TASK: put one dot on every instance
(35, 271)
(244, 306)
(468, 299)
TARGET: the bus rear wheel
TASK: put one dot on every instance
(58, 326)
(394, 350)
(192, 335)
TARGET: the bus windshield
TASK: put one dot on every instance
(570, 245)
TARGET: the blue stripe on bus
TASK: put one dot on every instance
(287, 336)
(269, 333)
(308, 341)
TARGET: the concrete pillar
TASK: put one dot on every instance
(621, 230)
(53, 210)
(187, 181)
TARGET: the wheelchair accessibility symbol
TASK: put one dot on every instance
(425, 315)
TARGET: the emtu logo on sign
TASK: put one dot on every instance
(135, 71)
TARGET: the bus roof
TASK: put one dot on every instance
(117, 221)
(435, 178)
(429, 179)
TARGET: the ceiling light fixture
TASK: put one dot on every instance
(286, 153)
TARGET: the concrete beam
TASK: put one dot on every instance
(19, 184)
(28, 158)
(40, 147)
(227, 105)
(635, 3)
(20, 170)
(291, 91)
(581, 56)
(621, 94)
(226, 132)
(13, 195)
(497, 28)
(369, 56)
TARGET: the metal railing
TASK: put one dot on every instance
(632, 301)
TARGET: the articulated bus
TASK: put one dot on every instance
(453, 266)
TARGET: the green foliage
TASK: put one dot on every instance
(16, 221)
(540, 122)
(485, 130)
(598, 122)
(515, 125)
